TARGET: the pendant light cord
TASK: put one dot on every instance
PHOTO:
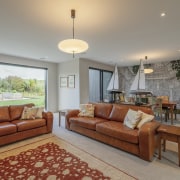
(73, 17)
(73, 36)
(73, 28)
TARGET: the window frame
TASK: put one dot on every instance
(35, 67)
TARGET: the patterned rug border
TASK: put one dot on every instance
(107, 169)
(19, 144)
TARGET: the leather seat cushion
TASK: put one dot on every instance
(7, 128)
(23, 125)
(118, 130)
(86, 122)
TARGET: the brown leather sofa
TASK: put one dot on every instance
(13, 129)
(107, 126)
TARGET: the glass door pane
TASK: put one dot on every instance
(106, 79)
(94, 85)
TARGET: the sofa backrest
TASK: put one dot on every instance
(15, 111)
(119, 111)
(147, 110)
(102, 110)
(4, 114)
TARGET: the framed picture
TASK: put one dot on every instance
(71, 81)
(63, 81)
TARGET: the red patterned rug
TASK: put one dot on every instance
(53, 159)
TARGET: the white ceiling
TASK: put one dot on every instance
(117, 31)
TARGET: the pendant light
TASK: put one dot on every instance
(147, 70)
(73, 46)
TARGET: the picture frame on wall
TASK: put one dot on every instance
(63, 82)
(71, 81)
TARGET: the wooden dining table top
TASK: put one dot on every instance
(169, 103)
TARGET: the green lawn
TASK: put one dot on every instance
(38, 101)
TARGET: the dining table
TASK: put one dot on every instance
(171, 105)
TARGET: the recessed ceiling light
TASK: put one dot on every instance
(163, 14)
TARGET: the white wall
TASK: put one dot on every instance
(69, 97)
(52, 76)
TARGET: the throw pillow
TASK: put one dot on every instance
(32, 113)
(144, 119)
(132, 118)
(39, 112)
(29, 113)
(86, 110)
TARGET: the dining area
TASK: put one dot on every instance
(165, 109)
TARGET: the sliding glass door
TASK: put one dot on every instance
(98, 83)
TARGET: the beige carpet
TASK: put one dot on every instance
(165, 169)
(24, 149)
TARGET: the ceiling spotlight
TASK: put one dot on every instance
(163, 14)
(73, 46)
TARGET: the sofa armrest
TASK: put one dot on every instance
(69, 114)
(49, 120)
(148, 140)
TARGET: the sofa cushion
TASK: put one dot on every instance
(118, 113)
(29, 113)
(86, 110)
(23, 125)
(7, 128)
(86, 122)
(4, 114)
(102, 110)
(144, 119)
(144, 109)
(15, 111)
(132, 118)
(32, 112)
(118, 130)
(39, 113)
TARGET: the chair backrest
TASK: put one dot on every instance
(164, 98)
(159, 102)
(157, 107)
(152, 100)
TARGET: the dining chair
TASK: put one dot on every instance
(176, 110)
(158, 110)
(152, 100)
(164, 100)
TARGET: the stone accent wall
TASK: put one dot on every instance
(162, 81)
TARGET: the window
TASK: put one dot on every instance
(98, 83)
(22, 84)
